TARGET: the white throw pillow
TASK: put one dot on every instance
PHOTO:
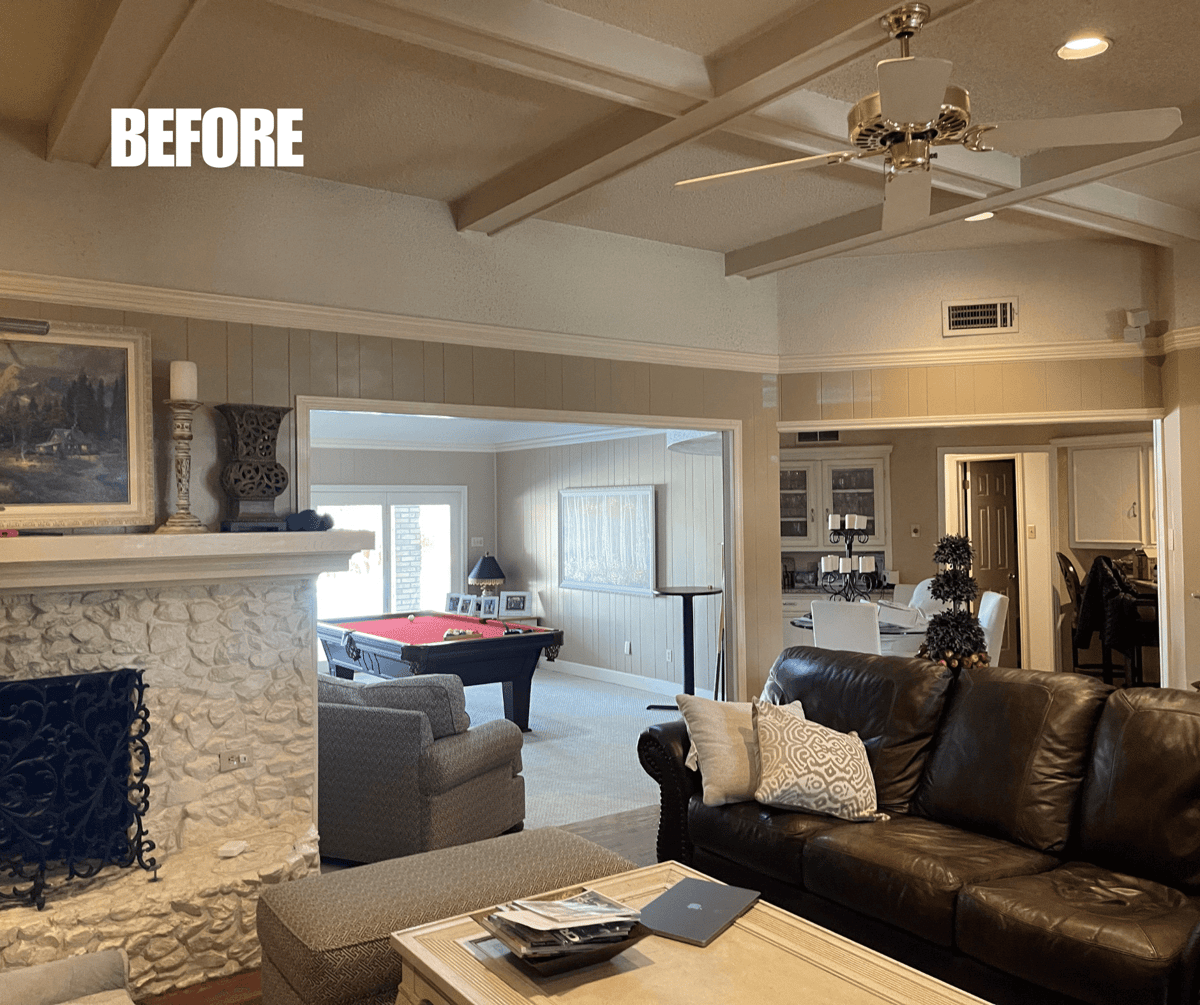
(723, 746)
(807, 766)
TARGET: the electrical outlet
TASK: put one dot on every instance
(476, 542)
(231, 760)
(914, 530)
(628, 648)
(668, 655)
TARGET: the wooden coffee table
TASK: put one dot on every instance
(767, 956)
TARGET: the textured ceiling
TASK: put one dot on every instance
(377, 112)
(415, 119)
(39, 42)
(705, 27)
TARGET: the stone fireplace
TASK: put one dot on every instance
(223, 627)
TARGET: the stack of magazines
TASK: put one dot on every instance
(552, 927)
(555, 935)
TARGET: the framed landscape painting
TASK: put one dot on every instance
(75, 428)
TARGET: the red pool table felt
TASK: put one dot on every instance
(425, 628)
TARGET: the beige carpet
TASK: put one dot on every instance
(580, 755)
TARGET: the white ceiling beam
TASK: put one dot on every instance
(536, 39)
(126, 45)
(833, 31)
(827, 239)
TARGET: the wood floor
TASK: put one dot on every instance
(632, 834)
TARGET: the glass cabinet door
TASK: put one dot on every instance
(857, 487)
(798, 496)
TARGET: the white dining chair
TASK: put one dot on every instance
(850, 627)
(993, 611)
(902, 593)
(922, 598)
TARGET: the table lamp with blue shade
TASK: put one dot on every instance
(487, 575)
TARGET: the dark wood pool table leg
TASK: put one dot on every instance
(516, 698)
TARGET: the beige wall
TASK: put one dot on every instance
(276, 235)
(1069, 291)
(984, 389)
(263, 365)
(689, 536)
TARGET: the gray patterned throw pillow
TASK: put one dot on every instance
(807, 766)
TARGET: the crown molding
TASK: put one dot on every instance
(1182, 338)
(278, 313)
(988, 419)
(942, 356)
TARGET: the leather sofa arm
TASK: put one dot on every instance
(452, 760)
(662, 749)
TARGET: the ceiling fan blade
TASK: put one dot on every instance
(779, 167)
(1145, 126)
(906, 197)
(911, 90)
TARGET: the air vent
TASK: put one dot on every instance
(979, 317)
(818, 436)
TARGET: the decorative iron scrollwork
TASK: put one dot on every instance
(73, 767)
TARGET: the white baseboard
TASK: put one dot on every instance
(651, 684)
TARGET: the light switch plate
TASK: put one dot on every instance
(476, 542)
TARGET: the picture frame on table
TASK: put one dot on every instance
(515, 604)
(468, 603)
(76, 440)
(489, 606)
(451, 605)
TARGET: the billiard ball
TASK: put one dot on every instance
(412, 617)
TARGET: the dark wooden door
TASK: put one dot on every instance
(992, 526)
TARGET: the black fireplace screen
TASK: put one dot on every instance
(73, 767)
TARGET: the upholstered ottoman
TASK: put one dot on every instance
(325, 938)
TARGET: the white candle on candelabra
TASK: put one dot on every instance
(835, 522)
(866, 563)
(852, 521)
(845, 565)
(829, 563)
(183, 380)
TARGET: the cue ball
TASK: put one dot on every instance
(412, 617)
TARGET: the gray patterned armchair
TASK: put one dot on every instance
(400, 770)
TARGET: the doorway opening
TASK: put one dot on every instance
(988, 493)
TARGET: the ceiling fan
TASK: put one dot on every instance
(917, 108)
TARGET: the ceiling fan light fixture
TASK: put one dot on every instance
(1084, 47)
(986, 215)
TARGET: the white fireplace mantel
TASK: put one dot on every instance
(105, 561)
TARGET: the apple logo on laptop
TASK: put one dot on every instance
(695, 907)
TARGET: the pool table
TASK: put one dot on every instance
(400, 645)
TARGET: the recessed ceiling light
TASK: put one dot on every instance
(1084, 48)
(980, 216)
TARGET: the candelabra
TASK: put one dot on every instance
(182, 521)
(846, 581)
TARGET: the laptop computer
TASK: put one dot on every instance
(696, 910)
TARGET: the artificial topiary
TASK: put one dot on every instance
(954, 638)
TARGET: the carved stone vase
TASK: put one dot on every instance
(253, 478)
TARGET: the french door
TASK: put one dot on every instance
(419, 554)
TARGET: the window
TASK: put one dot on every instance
(414, 564)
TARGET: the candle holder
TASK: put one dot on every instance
(182, 521)
(852, 585)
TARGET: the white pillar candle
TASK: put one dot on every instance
(845, 565)
(829, 563)
(853, 520)
(866, 563)
(183, 380)
(835, 522)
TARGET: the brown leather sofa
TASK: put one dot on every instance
(1044, 839)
